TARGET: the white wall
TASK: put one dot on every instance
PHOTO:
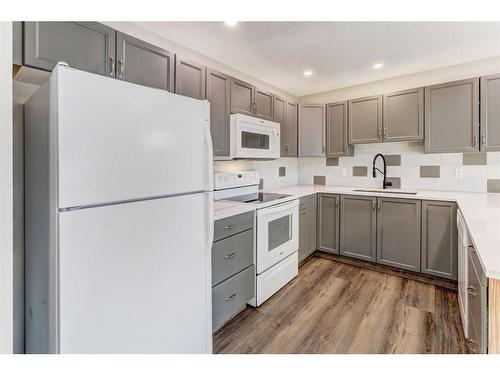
(6, 190)
(135, 30)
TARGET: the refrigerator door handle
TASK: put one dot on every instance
(209, 182)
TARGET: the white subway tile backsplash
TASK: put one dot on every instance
(475, 178)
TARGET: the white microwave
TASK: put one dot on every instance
(253, 138)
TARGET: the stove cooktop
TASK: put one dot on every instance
(256, 198)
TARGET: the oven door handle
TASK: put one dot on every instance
(278, 208)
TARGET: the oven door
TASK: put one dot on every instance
(277, 234)
(255, 138)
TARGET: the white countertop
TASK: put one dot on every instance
(481, 212)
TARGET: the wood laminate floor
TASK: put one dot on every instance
(338, 308)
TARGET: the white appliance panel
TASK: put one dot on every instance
(136, 277)
(253, 138)
(119, 141)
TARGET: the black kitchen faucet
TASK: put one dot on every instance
(375, 169)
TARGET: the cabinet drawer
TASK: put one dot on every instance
(231, 296)
(231, 225)
(231, 255)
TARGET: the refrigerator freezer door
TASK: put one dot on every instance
(119, 141)
(136, 277)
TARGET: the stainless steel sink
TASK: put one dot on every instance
(388, 191)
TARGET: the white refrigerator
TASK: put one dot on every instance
(119, 218)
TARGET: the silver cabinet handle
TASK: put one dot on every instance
(379, 133)
(229, 227)
(373, 205)
(385, 132)
(345, 148)
(379, 205)
(469, 343)
(231, 297)
(112, 62)
(336, 201)
(120, 74)
(483, 140)
(471, 290)
(323, 149)
(230, 255)
(471, 249)
(475, 140)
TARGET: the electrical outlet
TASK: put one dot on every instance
(344, 172)
(459, 173)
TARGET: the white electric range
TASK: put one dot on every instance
(277, 229)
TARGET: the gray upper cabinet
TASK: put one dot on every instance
(404, 116)
(358, 227)
(365, 120)
(242, 97)
(337, 130)
(263, 104)
(218, 93)
(279, 116)
(143, 63)
(439, 239)
(88, 46)
(490, 113)
(291, 124)
(189, 78)
(398, 233)
(328, 223)
(452, 117)
(312, 130)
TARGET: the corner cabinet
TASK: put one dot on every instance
(365, 120)
(490, 113)
(88, 46)
(439, 239)
(403, 116)
(328, 223)
(218, 93)
(189, 78)
(358, 227)
(143, 63)
(452, 117)
(337, 130)
(312, 130)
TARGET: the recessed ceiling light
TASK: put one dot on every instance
(378, 65)
(308, 73)
(231, 23)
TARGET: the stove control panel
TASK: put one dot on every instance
(227, 180)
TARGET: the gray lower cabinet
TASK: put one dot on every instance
(242, 97)
(143, 63)
(439, 239)
(365, 120)
(358, 227)
(263, 104)
(452, 116)
(477, 304)
(337, 130)
(328, 238)
(312, 130)
(88, 46)
(189, 78)
(398, 233)
(218, 93)
(403, 116)
(307, 226)
(291, 127)
(490, 113)
(233, 269)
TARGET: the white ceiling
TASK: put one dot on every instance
(340, 54)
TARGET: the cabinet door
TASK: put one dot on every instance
(143, 63)
(398, 233)
(291, 122)
(404, 116)
(365, 120)
(263, 104)
(312, 130)
(279, 116)
(328, 223)
(490, 113)
(358, 229)
(303, 253)
(242, 97)
(219, 95)
(439, 239)
(452, 116)
(87, 46)
(337, 137)
(311, 224)
(189, 78)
